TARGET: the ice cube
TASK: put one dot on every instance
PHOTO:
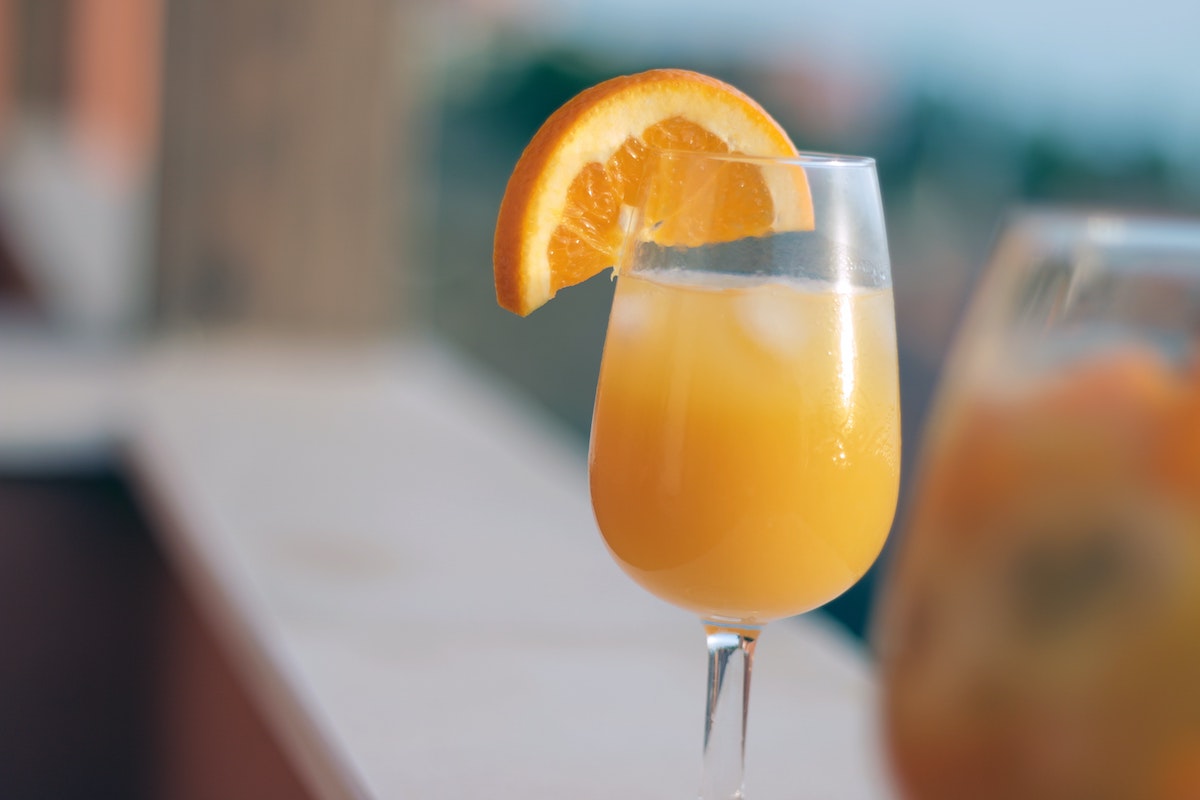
(630, 314)
(774, 318)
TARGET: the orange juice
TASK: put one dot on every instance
(746, 445)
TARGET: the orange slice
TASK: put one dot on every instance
(559, 221)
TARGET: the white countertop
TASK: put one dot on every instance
(400, 556)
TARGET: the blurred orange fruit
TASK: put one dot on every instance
(560, 219)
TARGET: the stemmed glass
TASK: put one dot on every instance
(1038, 633)
(745, 442)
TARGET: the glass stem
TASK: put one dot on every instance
(730, 658)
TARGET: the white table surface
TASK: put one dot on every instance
(400, 557)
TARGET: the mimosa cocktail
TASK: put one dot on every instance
(744, 452)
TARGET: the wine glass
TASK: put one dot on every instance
(745, 443)
(1038, 633)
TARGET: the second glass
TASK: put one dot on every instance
(745, 444)
(1037, 636)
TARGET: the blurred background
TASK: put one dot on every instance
(310, 171)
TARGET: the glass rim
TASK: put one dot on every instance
(1102, 227)
(803, 158)
(1098, 217)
